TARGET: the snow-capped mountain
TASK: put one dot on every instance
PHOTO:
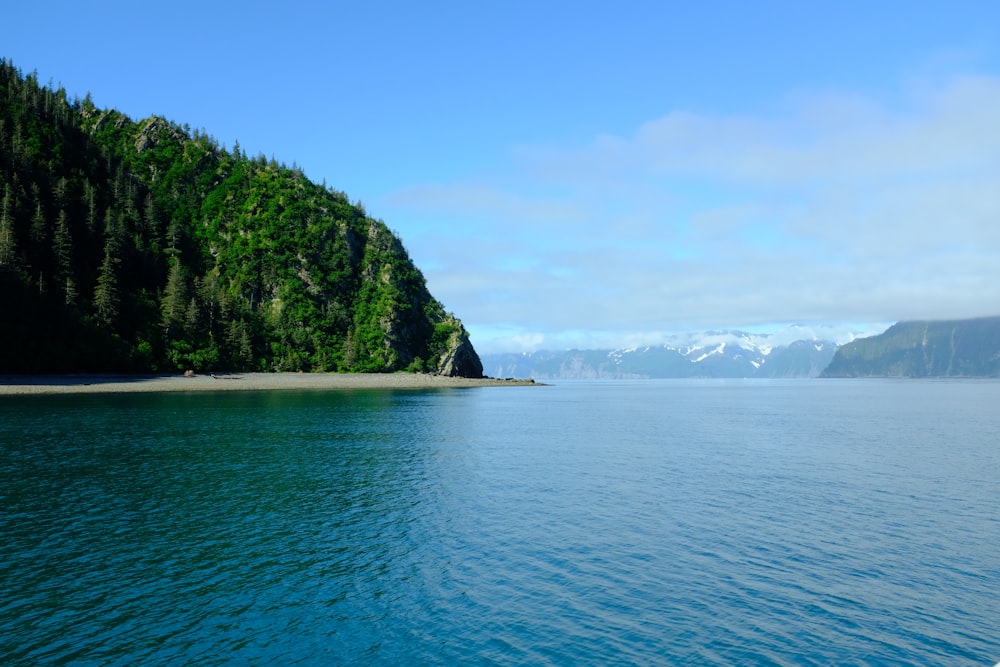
(712, 354)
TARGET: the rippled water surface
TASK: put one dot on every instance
(677, 522)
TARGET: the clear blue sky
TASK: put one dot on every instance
(591, 174)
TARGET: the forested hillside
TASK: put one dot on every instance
(143, 246)
(949, 348)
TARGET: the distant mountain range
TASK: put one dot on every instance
(713, 354)
(949, 348)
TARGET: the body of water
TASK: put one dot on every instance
(810, 522)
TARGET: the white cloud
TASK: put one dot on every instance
(836, 208)
(816, 140)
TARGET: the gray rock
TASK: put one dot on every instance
(461, 359)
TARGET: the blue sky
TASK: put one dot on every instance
(601, 174)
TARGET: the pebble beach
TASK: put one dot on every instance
(97, 384)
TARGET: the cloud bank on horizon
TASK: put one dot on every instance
(835, 210)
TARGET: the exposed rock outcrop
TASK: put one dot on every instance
(150, 132)
(460, 359)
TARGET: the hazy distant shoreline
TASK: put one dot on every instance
(99, 384)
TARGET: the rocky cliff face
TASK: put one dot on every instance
(460, 358)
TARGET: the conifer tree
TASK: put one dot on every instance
(8, 250)
(107, 299)
(39, 230)
(63, 246)
(174, 301)
(90, 205)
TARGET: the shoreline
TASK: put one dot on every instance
(20, 385)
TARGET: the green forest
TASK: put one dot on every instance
(141, 246)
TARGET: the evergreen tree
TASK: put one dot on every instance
(39, 248)
(8, 247)
(63, 246)
(174, 301)
(107, 300)
(90, 206)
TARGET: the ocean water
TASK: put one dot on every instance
(808, 522)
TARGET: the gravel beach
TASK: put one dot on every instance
(97, 384)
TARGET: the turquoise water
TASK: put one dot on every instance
(678, 522)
